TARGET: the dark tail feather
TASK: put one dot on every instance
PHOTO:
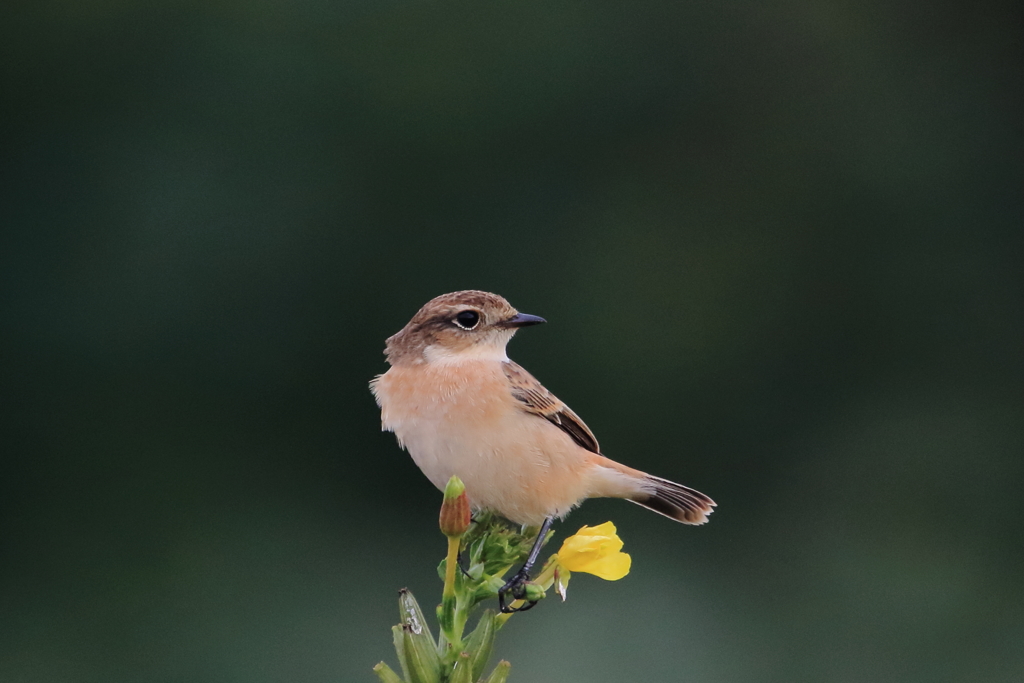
(674, 500)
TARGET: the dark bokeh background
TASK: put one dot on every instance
(779, 246)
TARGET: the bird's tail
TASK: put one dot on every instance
(674, 500)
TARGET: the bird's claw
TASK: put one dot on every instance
(516, 587)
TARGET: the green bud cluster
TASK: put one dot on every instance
(491, 547)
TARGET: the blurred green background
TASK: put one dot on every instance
(779, 246)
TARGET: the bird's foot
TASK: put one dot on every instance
(516, 587)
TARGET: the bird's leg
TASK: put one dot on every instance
(515, 584)
(464, 556)
(464, 564)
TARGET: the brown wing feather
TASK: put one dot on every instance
(541, 402)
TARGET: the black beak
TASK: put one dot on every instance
(523, 320)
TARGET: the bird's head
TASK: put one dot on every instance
(459, 326)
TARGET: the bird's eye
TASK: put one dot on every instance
(467, 320)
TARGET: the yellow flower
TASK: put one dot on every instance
(595, 550)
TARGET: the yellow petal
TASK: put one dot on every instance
(611, 568)
(590, 539)
(607, 529)
(595, 550)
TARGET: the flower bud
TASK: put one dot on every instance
(463, 671)
(532, 592)
(398, 635)
(455, 512)
(421, 656)
(417, 641)
(500, 673)
(385, 674)
(411, 614)
(481, 643)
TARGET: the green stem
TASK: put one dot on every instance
(451, 564)
(449, 625)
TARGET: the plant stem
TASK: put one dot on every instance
(451, 566)
(450, 626)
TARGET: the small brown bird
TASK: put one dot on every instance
(461, 407)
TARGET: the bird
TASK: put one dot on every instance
(460, 406)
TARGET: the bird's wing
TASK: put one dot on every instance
(537, 400)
